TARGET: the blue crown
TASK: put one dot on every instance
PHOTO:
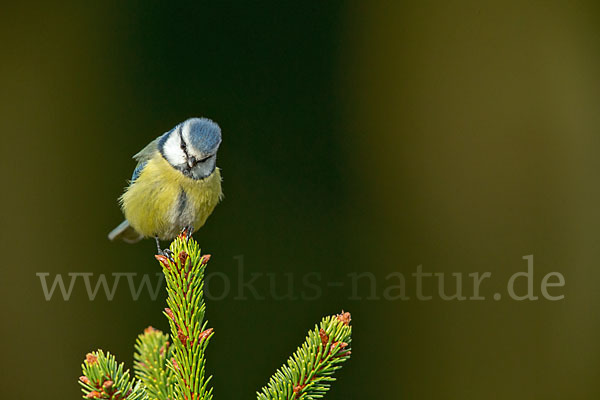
(204, 134)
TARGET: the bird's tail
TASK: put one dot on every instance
(125, 232)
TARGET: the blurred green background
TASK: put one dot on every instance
(358, 136)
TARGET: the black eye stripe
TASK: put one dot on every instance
(183, 146)
(182, 142)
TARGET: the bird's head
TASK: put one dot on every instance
(191, 147)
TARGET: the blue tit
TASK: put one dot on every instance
(175, 185)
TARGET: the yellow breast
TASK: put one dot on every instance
(162, 200)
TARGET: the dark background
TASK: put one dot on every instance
(357, 137)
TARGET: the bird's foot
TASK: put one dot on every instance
(167, 253)
(186, 233)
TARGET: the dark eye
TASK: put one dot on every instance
(183, 146)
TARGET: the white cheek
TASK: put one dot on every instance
(172, 151)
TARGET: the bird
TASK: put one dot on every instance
(175, 186)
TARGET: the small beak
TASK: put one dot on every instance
(191, 161)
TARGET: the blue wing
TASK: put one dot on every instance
(144, 156)
(138, 170)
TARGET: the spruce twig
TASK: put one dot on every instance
(185, 278)
(152, 350)
(308, 372)
(103, 378)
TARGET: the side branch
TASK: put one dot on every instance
(309, 371)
